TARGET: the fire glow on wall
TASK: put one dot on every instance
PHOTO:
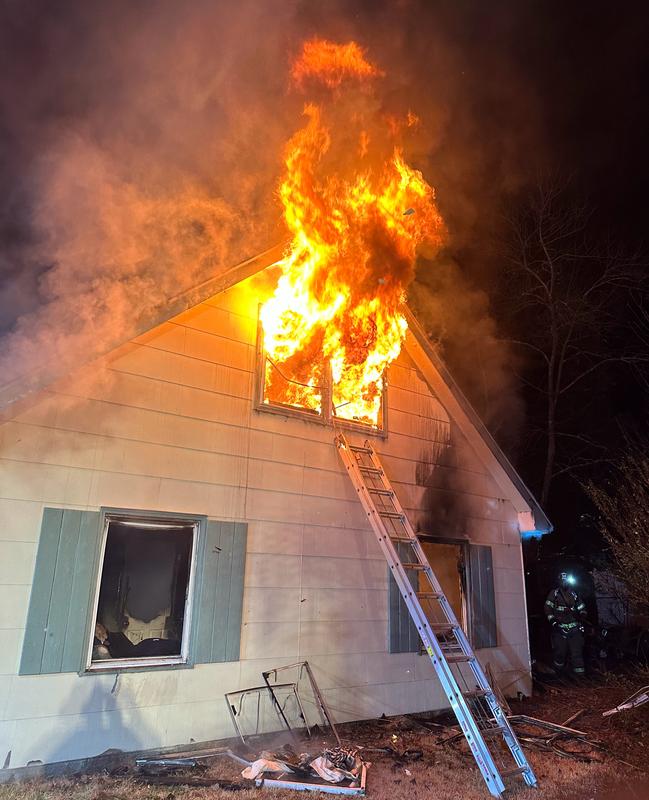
(357, 212)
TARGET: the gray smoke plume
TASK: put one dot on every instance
(142, 146)
(457, 317)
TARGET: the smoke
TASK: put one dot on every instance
(142, 148)
(148, 139)
(457, 316)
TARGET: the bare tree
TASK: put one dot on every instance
(623, 506)
(566, 297)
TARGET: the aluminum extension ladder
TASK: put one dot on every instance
(464, 683)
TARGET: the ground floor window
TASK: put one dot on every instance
(143, 599)
(465, 573)
(116, 589)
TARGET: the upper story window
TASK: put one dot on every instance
(307, 384)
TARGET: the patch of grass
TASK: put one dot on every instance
(449, 776)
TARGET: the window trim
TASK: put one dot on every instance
(325, 417)
(185, 658)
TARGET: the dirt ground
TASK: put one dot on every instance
(618, 768)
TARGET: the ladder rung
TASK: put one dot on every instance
(428, 595)
(370, 470)
(391, 515)
(476, 693)
(355, 448)
(511, 772)
(496, 730)
(443, 627)
(404, 538)
(456, 658)
(407, 565)
(382, 492)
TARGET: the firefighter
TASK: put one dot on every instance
(566, 613)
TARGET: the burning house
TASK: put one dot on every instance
(175, 518)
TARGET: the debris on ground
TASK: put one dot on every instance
(393, 745)
(406, 755)
(283, 698)
(164, 766)
(638, 698)
(302, 668)
(548, 736)
(339, 765)
(264, 763)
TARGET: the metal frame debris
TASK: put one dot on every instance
(638, 698)
(302, 666)
(242, 693)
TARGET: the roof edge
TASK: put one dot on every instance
(20, 389)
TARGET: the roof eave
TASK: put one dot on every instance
(19, 390)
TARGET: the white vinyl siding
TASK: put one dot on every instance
(168, 424)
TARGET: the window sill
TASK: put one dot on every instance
(360, 427)
(135, 664)
(306, 415)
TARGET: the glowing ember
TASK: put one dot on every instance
(355, 231)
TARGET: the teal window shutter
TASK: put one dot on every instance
(57, 631)
(218, 593)
(402, 631)
(484, 631)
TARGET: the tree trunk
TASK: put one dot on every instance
(549, 459)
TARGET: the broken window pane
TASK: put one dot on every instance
(296, 382)
(304, 381)
(366, 409)
(143, 591)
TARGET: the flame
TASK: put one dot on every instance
(331, 64)
(355, 232)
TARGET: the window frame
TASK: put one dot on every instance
(135, 516)
(325, 417)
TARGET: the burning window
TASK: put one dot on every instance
(143, 599)
(299, 382)
(357, 214)
(309, 382)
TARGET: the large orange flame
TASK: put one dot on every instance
(355, 234)
(331, 63)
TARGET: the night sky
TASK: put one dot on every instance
(110, 107)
